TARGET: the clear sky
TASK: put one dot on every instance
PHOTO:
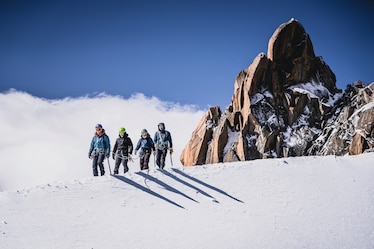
(188, 52)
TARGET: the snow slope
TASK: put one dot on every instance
(306, 202)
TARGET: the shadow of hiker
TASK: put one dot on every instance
(205, 184)
(187, 184)
(136, 185)
(166, 186)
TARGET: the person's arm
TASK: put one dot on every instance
(107, 144)
(170, 141)
(138, 146)
(114, 150)
(155, 138)
(91, 147)
(130, 146)
(152, 144)
(115, 146)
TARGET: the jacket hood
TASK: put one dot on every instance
(161, 126)
(124, 135)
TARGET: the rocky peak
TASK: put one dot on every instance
(281, 104)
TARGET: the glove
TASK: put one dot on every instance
(114, 156)
(89, 156)
(130, 158)
(171, 151)
(107, 155)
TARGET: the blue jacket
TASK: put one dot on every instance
(100, 143)
(145, 143)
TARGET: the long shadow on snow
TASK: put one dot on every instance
(166, 186)
(136, 185)
(204, 184)
(186, 183)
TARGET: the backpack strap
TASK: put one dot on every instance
(163, 142)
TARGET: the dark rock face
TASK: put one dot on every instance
(285, 104)
(351, 130)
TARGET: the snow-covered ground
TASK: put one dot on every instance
(305, 202)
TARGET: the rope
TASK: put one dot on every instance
(130, 158)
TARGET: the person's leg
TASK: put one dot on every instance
(117, 164)
(94, 165)
(125, 167)
(163, 158)
(147, 155)
(100, 162)
(158, 157)
(141, 163)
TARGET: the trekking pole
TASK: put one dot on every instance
(110, 170)
(171, 160)
(154, 159)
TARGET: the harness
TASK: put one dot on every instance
(163, 142)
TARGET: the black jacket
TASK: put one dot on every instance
(123, 144)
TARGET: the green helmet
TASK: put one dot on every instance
(122, 130)
(144, 132)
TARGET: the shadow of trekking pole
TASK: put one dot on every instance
(136, 185)
(164, 185)
(198, 190)
(205, 184)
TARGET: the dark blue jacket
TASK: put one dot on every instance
(162, 140)
(145, 143)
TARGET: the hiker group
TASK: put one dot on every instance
(123, 149)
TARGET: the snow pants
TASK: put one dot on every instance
(144, 160)
(98, 160)
(118, 162)
(160, 157)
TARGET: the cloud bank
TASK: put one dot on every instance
(47, 140)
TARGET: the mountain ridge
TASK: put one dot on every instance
(284, 104)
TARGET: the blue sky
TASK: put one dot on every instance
(188, 52)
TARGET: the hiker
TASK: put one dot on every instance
(99, 149)
(145, 146)
(122, 151)
(163, 143)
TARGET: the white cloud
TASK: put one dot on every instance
(47, 140)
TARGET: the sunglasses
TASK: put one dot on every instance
(98, 128)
